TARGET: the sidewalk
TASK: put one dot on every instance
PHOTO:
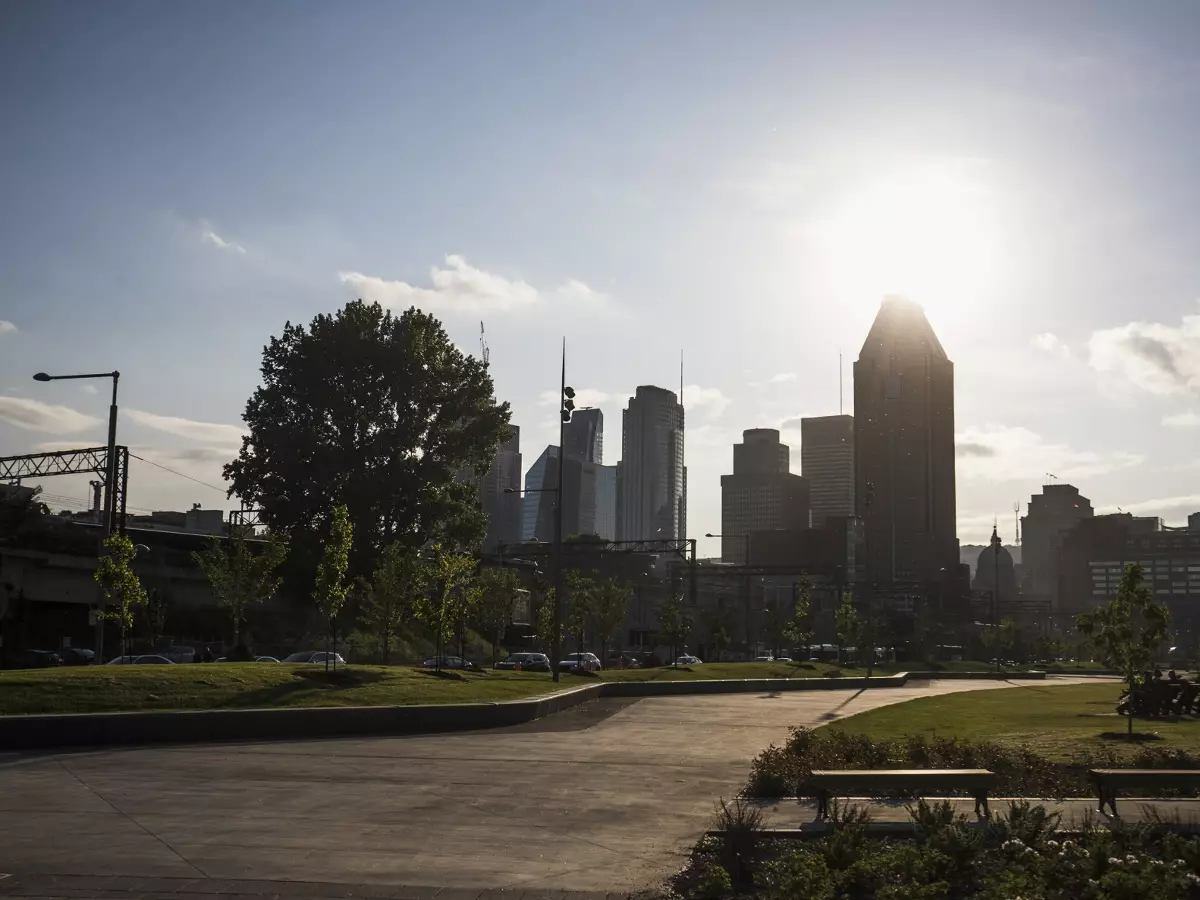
(80, 887)
(790, 814)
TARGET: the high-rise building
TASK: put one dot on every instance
(651, 478)
(762, 495)
(583, 436)
(537, 516)
(499, 493)
(1050, 516)
(904, 447)
(827, 461)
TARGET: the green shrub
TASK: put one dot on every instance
(802, 874)
(713, 882)
(741, 826)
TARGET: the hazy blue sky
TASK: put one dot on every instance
(740, 180)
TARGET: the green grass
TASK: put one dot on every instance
(249, 685)
(1058, 722)
(719, 670)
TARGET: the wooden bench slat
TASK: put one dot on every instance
(1108, 780)
(978, 781)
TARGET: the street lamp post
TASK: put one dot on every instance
(110, 477)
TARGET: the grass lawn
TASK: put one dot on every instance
(1058, 722)
(86, 689)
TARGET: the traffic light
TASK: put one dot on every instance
(568, 404)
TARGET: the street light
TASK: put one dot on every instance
(110, 476)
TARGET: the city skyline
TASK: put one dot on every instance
(657, 212)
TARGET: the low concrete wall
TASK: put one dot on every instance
(745, 685)
(1002, 676)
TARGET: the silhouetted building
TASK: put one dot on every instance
(537, 515)
(499, 493)
(589, 498)
(761, 495)
(651, 477)
(583, 436)
(904, 447)
(1050, 515)
(827, 461)
(996, 574)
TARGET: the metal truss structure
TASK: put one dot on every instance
(89, 461)
(247, 517)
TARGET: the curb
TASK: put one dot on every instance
(42, 732)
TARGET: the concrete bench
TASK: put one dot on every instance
(1109, 781)
(909, 782)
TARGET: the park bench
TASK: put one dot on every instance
(1109, 781)
(903, 782)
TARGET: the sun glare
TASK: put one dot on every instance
(930, 235)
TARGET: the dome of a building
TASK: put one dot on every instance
(992, 560)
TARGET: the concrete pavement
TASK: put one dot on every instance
(609, 796)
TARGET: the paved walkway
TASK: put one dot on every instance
(606, 797)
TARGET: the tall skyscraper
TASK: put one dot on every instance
(761, 495)
(904, 447)
(583, 436)
(1050, 515)
(651, 478)
(502, 509)
(537, 517)
(827, 461)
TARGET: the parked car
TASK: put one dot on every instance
(688, 660)
(143, 659)
(580, 662)
(316, 656)
(42, 659)
(449, 662)
(783, 659)
(77, 656)
(525, 662)
(180, 654)
(764, 659)
(266, 659)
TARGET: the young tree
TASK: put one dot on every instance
(448, 598)
(240, 576)
(545, 622)
(1128, 630)
(577, 612)
(798, 629)
(775, 619)
(388, 599)
(610, 604)
(498, 589)
(122, 588)
(999, 639)
(674, 624)
(849, 625)
(378, 412)
(332, 588)
(720, 623)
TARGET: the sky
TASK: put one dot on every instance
(739, 182)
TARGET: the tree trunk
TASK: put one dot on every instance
(328, 629)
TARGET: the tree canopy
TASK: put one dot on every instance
(376, 412)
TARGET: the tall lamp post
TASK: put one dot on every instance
(110, 477)
(555, 549)
(745, 581)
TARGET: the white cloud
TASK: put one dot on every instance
(33, 415)
(709, 402)
(1184, 421)
(777, 378)
(88, 389)
(211, 237)
(1051, 343)
(7, 327)
(206, 432)
(1160, 359)
(459, 286)
(1007, 453)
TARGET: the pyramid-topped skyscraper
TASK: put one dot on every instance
(904, 447)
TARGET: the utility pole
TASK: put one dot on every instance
(566, 396)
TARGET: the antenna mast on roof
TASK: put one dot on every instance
(839, 382)
(681, 376)
(1017, 521)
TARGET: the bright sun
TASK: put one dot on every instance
(929, 234)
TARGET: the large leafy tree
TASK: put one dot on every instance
(122, 588)
(1128, 629)
(377, 412)
(332, 587)
(241, 576)
(577, 608)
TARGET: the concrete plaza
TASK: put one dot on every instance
(606, 797)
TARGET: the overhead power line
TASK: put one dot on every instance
(180, 474)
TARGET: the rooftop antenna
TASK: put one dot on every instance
(839, 382)
(681, 376)
(484, 352)
(1017, 521)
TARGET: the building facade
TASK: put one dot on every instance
(537, 506)
(583, 436)
(651, 477)
(762, 495)
(827, 461)
(1050, 515)
(904, 447)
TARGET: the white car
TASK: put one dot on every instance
(687, 660)
(764, 659)
(316, 657)
(580, 662)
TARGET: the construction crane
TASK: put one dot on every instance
(484, 352)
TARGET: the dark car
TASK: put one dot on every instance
(449, 662)
(525, 662)
(77, 656)
(42, 659)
